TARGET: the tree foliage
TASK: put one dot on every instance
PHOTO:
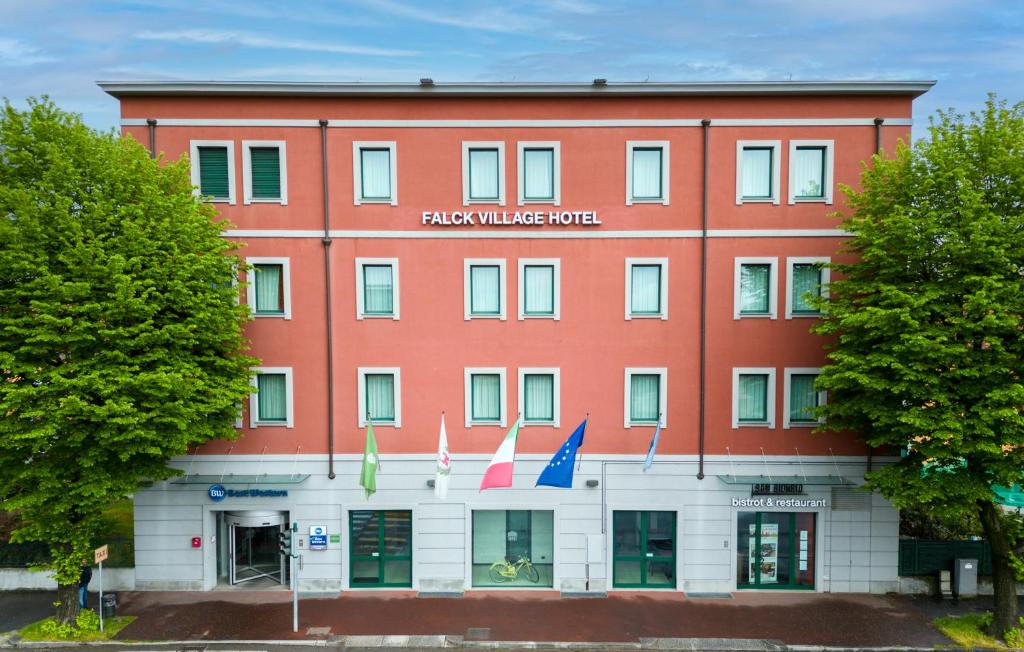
(121, 338)
(927, 323)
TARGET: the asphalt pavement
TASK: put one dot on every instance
(20, 608)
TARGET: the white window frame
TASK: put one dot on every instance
(254, 405)
(829, 163)
(665, 176)
(361, 374)
(556, 400)
(776, 146)
(357, 170)
(556, 263)
(662, 395)
(250, 282)
(661, 262)
(194, 146)
(787, 373)
(773, 287)
(483, 144)
(282, 152)
(770, 411)
(826, 278)
(360, 295)
(468, 373)
(467, 263)
(556, 170)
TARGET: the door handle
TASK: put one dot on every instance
(375, 554)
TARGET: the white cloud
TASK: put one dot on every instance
(218, 37)
(17, 53)
(474, 19)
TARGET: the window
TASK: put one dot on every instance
(805, 276)
(539, 172)
(646, 393)
(265, 171)
(377, 288)
(800, 398)
(374, 172)
(380, 396)
(539, 292)
(647, 172)
(483, 173)
(271, 403)
(644, 549)
(485, 397)
(539, 391)
(646, 288)
(810, 171)
(269, 287)
(213, 169)
(753, 397)
(380, 548)
(755, 285)
(484, 288)
(757, 171)
(508, 536)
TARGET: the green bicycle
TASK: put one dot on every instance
(506, 571)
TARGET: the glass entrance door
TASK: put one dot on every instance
(380, 548)
(254, 554)
(644, 549)
(775, 550)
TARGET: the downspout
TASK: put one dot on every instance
(152, 136)
(327, 301)
(705, 124)
(878, 150)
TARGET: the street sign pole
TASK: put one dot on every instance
(98, 556)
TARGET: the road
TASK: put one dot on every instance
(20, 608)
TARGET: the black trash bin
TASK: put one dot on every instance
(109, 605)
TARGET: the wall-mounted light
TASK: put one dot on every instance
(592, 483)
(430, 483)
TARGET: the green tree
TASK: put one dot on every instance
(926, 325)
(121, 338)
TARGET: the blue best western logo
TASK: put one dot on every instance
(218, 493)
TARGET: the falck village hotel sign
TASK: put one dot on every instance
(510, 218)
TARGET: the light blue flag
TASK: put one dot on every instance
(654, 446)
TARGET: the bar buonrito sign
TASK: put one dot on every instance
(510, 218)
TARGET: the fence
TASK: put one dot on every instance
(923, 557)
(22, 555)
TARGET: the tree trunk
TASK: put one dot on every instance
(67, 607)
(1004, 584)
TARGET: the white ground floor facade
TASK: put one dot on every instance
(750, 524)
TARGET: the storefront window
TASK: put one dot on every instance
(775, 550)
(513, 548)
(380, 548)
(644, 553)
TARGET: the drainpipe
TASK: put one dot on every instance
(705, 124)
(152, 136)
(878, 150)
(327, 300)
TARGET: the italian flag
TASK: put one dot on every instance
(499, 472)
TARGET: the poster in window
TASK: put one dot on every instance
(769, 553)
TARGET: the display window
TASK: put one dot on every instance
(775, 550)
(644, 549)
(513, 548)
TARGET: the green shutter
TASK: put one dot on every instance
(266, 172)
(213, 172)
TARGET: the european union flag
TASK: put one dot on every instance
(558, 473)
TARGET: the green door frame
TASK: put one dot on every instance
(793, 543)
(381, 557)
(643, 557)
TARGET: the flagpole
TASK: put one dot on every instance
(579, 463)
(369, 423)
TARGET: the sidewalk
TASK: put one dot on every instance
(851, 620)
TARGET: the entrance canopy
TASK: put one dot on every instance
(231, 478)
(806, 480)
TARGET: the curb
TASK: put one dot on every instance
(436, 642)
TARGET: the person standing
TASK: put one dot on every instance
(83, 586)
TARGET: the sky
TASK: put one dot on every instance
(62, 47)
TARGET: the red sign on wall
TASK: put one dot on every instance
(197, 542)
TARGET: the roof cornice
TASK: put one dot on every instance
(506, 89)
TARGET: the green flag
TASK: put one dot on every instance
(368, 477)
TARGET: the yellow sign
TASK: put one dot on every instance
(100, 554)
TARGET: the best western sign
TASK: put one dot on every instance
(506, 218)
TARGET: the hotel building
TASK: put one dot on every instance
(543, 252)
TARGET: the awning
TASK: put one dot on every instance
(807, 480)
(1009, 496)
(231, 478)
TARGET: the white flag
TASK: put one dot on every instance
(444, 464)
